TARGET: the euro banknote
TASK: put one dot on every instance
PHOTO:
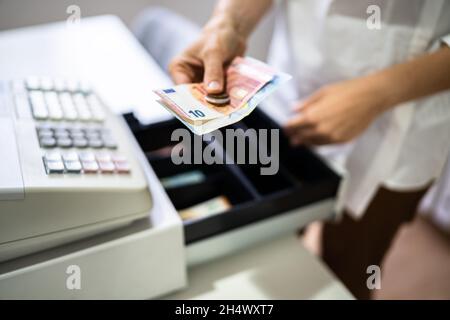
(205, 209)
(248, 82)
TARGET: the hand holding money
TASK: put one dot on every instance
(248, 82)
(218, 44)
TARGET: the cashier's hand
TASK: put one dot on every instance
(336, 113)
(205, 60)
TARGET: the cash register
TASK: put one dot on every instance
(67, 170)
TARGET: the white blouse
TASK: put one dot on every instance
(325, 41)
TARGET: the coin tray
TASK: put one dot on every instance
(302, 179)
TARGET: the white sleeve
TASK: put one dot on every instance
(446, 39)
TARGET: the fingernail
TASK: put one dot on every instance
(213, 85)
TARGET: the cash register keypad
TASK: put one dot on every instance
(85, 162)
(70, 126)
(63, 100)
(77, 136)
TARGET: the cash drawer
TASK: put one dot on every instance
(303, 179)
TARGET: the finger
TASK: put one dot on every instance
(310, 138)
(301, 120)
(180, 71)
(214, 74)
(299, 136)
(313, 136)
(316, 141)
(312, 99)
(180, 77)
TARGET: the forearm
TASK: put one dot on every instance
(242, 15)
(420, 77)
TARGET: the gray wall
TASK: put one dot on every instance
(20, 13)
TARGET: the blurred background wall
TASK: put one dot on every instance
(20, 13)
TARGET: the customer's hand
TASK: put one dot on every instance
(337, 113)
(205, 59)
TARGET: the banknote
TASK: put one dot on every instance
(248, 82)
(183, 179)
(205, 209)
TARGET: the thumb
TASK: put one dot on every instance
(214, 74)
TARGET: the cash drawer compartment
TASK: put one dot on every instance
(302, 179)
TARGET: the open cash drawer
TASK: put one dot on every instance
(302, 179)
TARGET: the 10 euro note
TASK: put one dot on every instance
(248, 82)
